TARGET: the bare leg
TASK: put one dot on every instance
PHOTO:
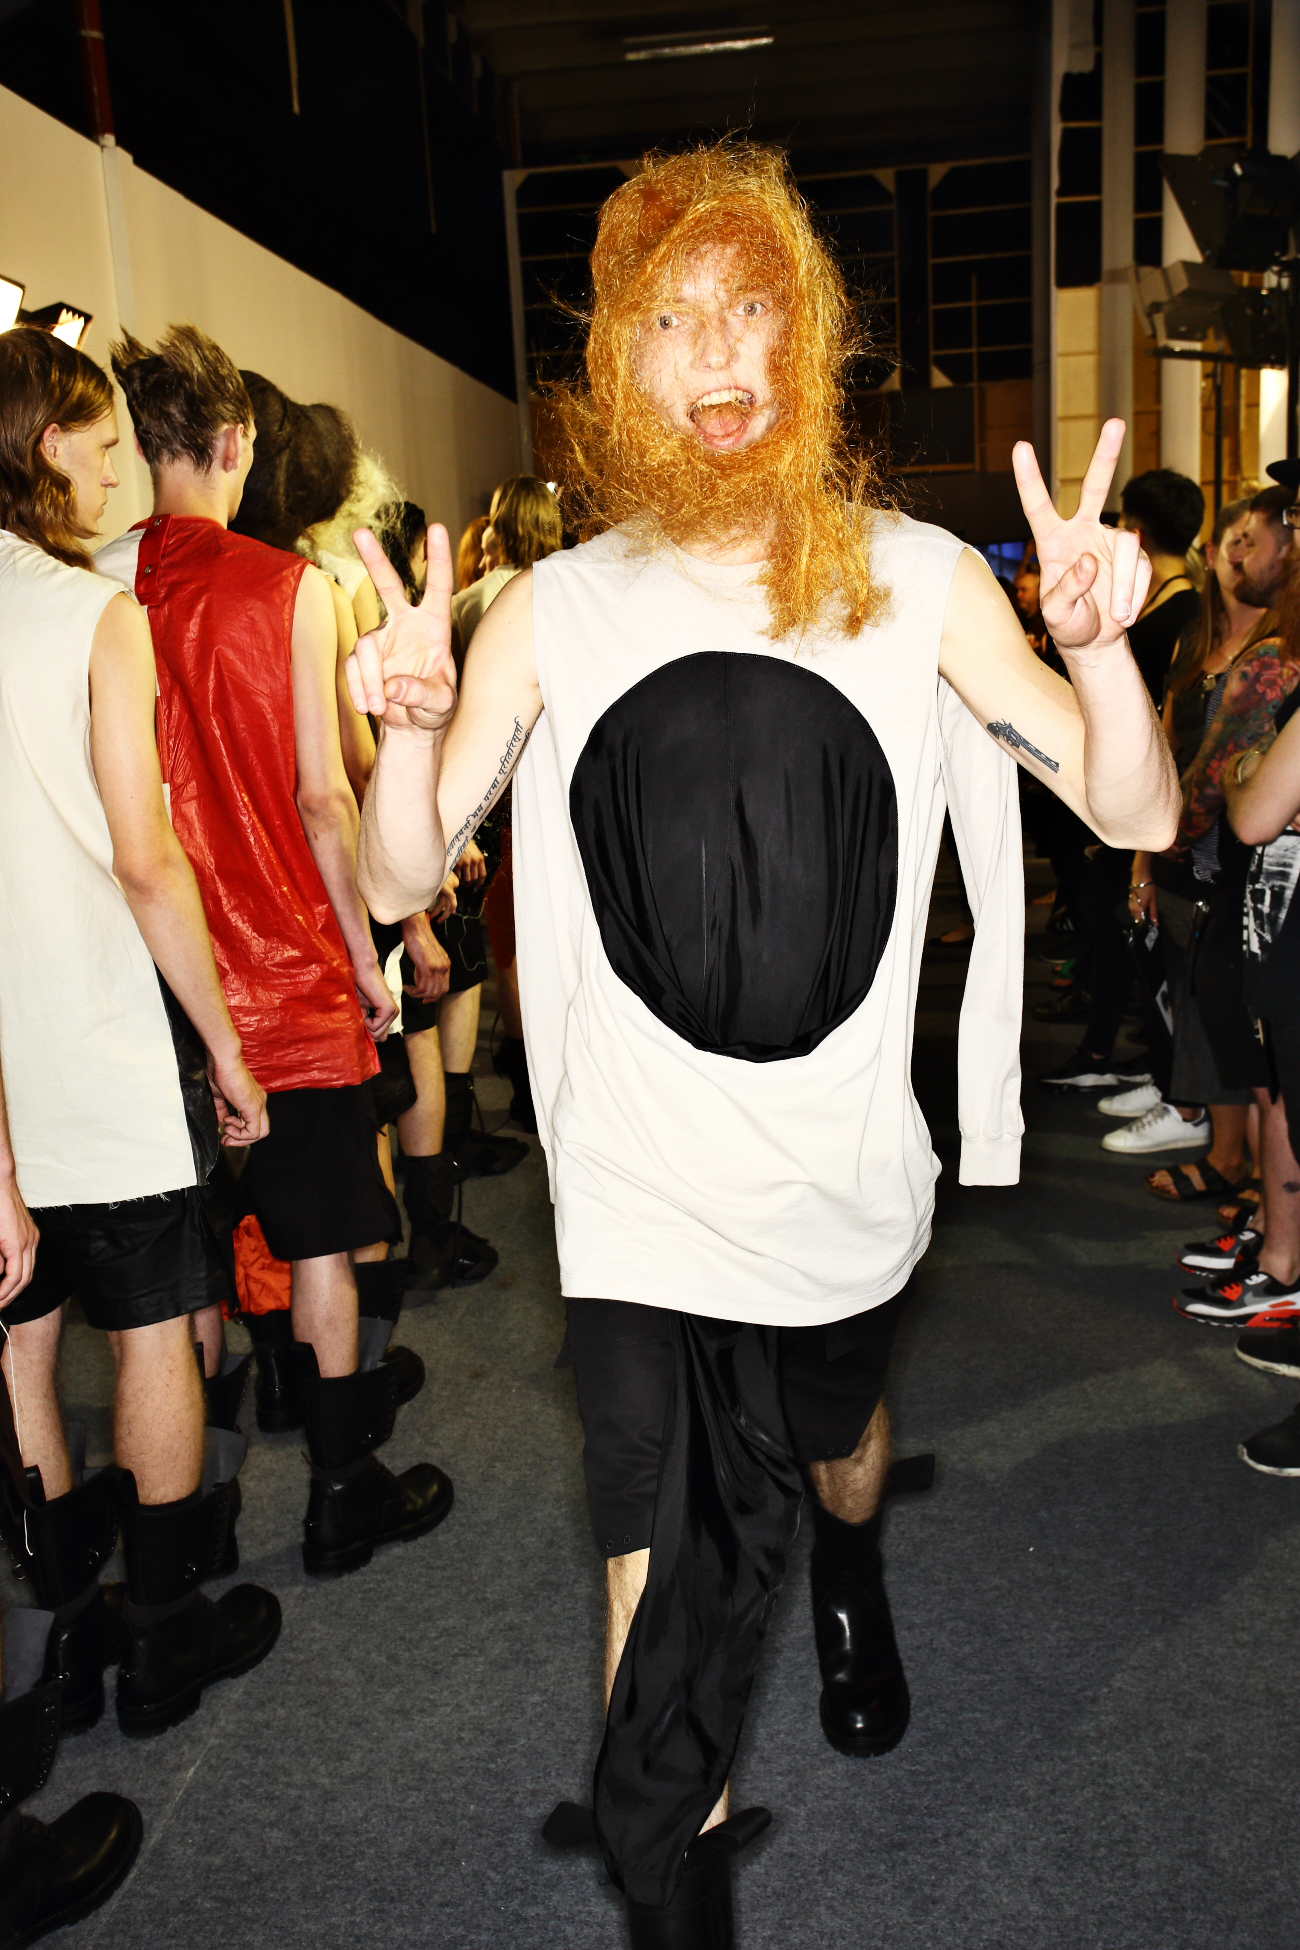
(625, 1581)
(458, 1028)
(30, 1363)
(365, 1255)
(158, 1409)
(421, 1127)
(1280, 1253)
(325, 1311)
(851, 1489)
(512, 1021)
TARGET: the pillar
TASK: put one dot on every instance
(1283, 140)
(1180, 384)
(1118, 56)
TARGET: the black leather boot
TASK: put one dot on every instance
(474, 1153)
(511, 1062)
(380, 1286)
(223, 1392)
(699, 1916)
(275, 1387)
(355, 1503)
(443, 1252)
(62, 1547)
(179, 1641)
(865, 1703)
(50, 1873)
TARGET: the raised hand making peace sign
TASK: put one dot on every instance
(403, 673)
(1094, 579)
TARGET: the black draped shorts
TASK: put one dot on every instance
(621, 1353)
(134, 1263)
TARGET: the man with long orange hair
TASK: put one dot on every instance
(746, 699)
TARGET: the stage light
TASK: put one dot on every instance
(676, 47)
(61, 321)
(1241, 205)
(11, 298)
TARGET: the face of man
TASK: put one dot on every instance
(1224, 557)
(84, 455)
(1265, 557)
(1027, 588)
(703, 355)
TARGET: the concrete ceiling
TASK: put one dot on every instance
(919, 80)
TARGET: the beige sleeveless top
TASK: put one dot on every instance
(90, 1075)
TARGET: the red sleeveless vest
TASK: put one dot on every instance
(221, 610)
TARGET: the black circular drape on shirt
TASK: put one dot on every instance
(738, 828)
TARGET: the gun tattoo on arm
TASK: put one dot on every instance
(1008, 734)
(459, 841)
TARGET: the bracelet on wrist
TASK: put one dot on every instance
(1136, 886)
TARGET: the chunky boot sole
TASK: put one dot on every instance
(338, 1561)
(117, 1866)
(142, 1722)
(860, 1747)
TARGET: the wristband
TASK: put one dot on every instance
(1136, 886)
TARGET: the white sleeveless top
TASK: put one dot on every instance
(722, 875)
(90, 1073)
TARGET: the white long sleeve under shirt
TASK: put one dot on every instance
(724, 854)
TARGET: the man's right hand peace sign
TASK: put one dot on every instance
(403, 673)
(1094, 579)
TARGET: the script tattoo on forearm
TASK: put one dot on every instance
(459, 841)
(1010, 736)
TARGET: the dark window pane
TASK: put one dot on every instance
(1226, 107)
(936, 427)
(845, 192)
(959, 369)
(1005, 325)
(980, 230)
(556, 233)
(1015, 362)
(974, 186)
(1079, 163)
(550, 278)
(1227, 35)
(999, 277)
(1078, 244)
(952, 328)
(861, 233)
(1081, 96)
(1150, 54)
(1148, 183)
(547, 188)
(1149, 112)
(1148, 240)
(869, 278)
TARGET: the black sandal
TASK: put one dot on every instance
(1186, 1191)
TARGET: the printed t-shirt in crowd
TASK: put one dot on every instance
(1271, 918)
(95, 1107)
(725, 849)
(221, 610)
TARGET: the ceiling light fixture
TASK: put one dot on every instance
(60, 321)
(11, 298)
(672, 47)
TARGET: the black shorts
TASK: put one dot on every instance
(622, 1357)
(133, 1263)
(314, 1183)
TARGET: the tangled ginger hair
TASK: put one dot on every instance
(44, 383)
(799, 486)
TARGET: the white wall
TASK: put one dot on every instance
(447, 438)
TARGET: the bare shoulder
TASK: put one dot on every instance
(122, 627)
(313, 610)
(979, 621)
(504, 637)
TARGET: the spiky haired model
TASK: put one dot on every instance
(181, 395)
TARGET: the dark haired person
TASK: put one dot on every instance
(741, 706)
(96, 885)
(1245, 907)
(245, 642)
(1165, 511)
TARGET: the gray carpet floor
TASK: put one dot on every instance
(1096, 1605)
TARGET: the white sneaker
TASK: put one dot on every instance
(1161, 1129)
(1131, 1103)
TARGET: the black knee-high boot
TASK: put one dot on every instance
(380, 1286)
(865, 1703)
(474, 1153)
(355, 1503)
(444, 1252)
(511, 1062)
(51, 1873)
(62, 1547)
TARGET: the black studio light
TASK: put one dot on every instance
(1241, 205)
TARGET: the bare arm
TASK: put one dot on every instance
(355, 735)
(148, 860)
(441, 763)
(1244, 718)
(1096, 741)
(365, 607)
(18, 1234)
(1269, 799)
(326, 804)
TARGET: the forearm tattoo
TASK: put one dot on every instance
(1010, 736)
(459, 841)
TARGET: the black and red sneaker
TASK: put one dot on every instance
(1239, 1297)
(1226, 1254)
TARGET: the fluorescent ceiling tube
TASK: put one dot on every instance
(675, 47)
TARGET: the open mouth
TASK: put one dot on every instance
(727, 400)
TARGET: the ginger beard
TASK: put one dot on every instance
(713, 411)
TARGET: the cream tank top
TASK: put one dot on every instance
(90, 1074)
(724, 853)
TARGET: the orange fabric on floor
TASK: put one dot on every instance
(261, 1280)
